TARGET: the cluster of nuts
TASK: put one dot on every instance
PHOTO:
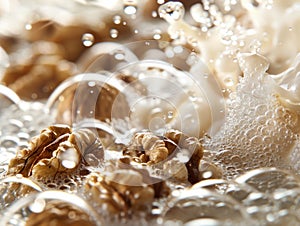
(126, 189)
(36, 76)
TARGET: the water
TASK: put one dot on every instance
(247, 124)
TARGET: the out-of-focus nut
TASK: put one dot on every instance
(37, 76)
(101, 102)
(58, 213)
(208, 170)
(120, 192)
(56, 150)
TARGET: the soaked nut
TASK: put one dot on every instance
(37, 76)
(146, 147)
(100, 101)
(193, 148)
(120, 192)
(176, 169)
(13, 191)
(58, 213)
(57, 150)
(161, 189)
(208, 170)
(90, 99)
(69, 37)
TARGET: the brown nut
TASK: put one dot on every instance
(119, 193)
(99, 99)
(208, 170)
(37, 76)
(56, 150)
(58, 213)
(146, 147)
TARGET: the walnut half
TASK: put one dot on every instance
(57, 150)
(174, 148)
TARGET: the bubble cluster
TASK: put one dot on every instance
(258, 130)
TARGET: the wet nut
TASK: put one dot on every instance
(56, 150)
(37, 76)
(208, 170)
(69, 36)
(146, 147)
(120, 192)
(58, 213)
(105, 98)
(176, 169)
(13, 191)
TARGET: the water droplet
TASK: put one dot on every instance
(130, 9)
(28, 27)
(178, 49)
(170, 114)
(69, 158)
(119, 55)
(160, 2)
(136, 31)
(87, 39)
(91, 83)
(157, 34)
(154, 14)
(37, 206)
(114, 33)
(117, 19)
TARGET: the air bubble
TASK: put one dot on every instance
(87, 39)
(170, 114)
(28, 27)
(92, 84)
(154, 14)
(114, 33)
(37, 206)
(69, 158)
(119, 55)
(157, 34)
(117, 19)
(130, 9)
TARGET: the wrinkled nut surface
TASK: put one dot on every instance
(37, 77)
(147, 147)
(57, 150)
(12, 192)
(57, 213)
(121, 192)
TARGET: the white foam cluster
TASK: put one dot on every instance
(259, 131)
